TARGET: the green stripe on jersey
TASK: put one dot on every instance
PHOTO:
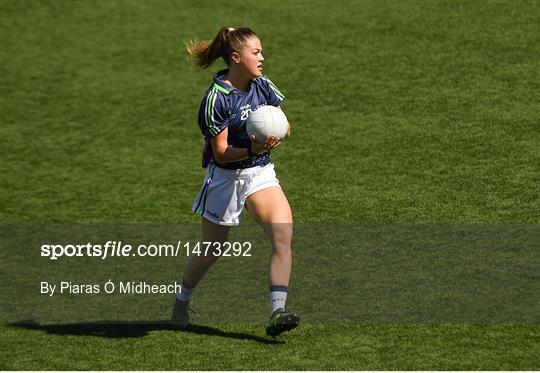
(221, 88)
(275, 89)
(209, 106)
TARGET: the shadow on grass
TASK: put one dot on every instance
(134, 329)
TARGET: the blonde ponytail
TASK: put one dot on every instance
(203, 53)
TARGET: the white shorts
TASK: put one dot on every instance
(224, 192)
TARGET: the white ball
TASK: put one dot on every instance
(267, 120)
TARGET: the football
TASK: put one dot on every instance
(267, 120)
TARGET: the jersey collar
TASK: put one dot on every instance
(220, 85)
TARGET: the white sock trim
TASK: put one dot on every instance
(184, 294)
(277, 300)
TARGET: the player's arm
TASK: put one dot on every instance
(226, 154)
(289, 129)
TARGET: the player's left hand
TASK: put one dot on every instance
(270, 142)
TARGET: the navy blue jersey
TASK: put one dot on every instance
(224, 106)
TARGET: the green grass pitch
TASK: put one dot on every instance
(403, 113)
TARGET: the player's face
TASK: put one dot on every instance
(251, 58)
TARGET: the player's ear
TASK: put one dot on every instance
(235, 57)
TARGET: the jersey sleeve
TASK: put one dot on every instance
(213, 114)
(272, 93)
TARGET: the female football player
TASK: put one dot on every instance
(238, 169)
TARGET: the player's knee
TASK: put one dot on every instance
(282, 238)
(282, 250)
(206, 261)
